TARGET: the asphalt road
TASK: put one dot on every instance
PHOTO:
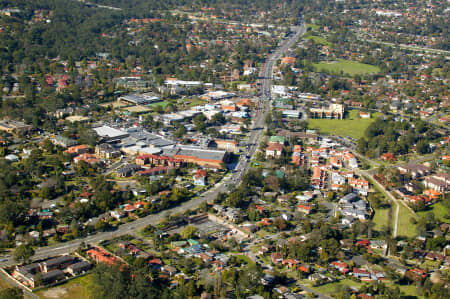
(210, 195)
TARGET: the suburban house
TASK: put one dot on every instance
(307, 209)
(77, 150)
(99, 255)
(200, 177)
(274, 150)
(127, 170)
(439, 182)
(415, 170)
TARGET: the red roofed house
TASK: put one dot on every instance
(260, 209)
(101, 256)
(416, 274)
(77, 150)
(341, 267)
(154, 171)
(305, 208)
(288, 61)
(432, 194)
(274, 150)
(276, 257)
(88, 158)
(200, 178)
(388, 157)
(291, 263)
(363, 243)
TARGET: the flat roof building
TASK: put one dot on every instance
(140, 99)
(109, 133)
(199, 156)
(14, 126)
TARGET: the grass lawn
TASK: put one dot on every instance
(313, 27)
(331, 288)
(351, 126)
(162, 104)
(262, 233)
(244, 259)
(196, 102)
(405, 227)
(408, 290)
(317, 39)
(440, 212)
(4, 285)
(347, 66)
(380, 218)
(78, 288)
(256, 164)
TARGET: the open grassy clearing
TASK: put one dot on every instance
(4, 285)
(196, 102)
(351, 126)
(138, 109)
(244, 259)
(331, 288)
(439, 210)
(78, 288)
(381, 218)
(313, 27)
(408, 290)
(317, 39)
(347, 67)
(115, 104)
(405, 227)
(162, 104)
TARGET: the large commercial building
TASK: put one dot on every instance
(140, 99)
(108, 133)
(199, 156)
(14, 127)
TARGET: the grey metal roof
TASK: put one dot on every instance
(202, 153)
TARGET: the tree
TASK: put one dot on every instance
(218, 119)
(200, 122)
(188, 232)
(11, 293)
(280, 223)
(422, 147)
(111, 281)
(180, 132)
(23, 253)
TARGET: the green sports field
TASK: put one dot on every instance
(351, 126)
(347, 66)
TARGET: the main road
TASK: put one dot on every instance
(208, 196)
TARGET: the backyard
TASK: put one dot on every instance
(351, 126)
